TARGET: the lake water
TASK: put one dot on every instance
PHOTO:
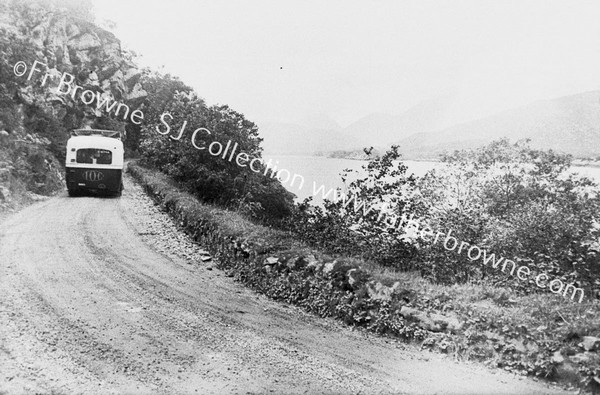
(320, 171)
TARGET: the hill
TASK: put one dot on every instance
(569, 124)
(379, 129)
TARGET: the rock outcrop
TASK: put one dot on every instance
(35, 119)
(67, 43)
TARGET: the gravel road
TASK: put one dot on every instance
(106, 295)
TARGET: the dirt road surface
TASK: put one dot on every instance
(107, 296)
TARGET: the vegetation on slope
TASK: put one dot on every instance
(210, 178)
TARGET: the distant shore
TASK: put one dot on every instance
(575, 163)
(580, 163)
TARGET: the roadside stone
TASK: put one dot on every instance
(581, 357)
(378, 291)
(591, 343)
(557, 357)
(356, 278)
(431, 322)
(329, 267)
(271, 261)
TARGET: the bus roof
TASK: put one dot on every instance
(97, 132)
(94, 141)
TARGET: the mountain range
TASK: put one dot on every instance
(569, 124)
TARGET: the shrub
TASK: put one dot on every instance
(518, 202)
(210, 178)
(354, 222)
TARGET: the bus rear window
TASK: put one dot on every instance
(94, 156)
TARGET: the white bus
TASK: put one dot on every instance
(94, 162)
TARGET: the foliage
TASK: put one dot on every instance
(210, 178)
(519, 203)
(359, 222)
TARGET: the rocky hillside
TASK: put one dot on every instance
(34, 120)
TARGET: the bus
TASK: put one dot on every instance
(94, 162)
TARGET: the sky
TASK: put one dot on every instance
(284, 61)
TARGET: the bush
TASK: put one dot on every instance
(354, 223)
(517, 202)
(210, 178)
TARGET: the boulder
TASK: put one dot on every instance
(378, 291)
(356, 278)
(136, 92)
(431, 322)
(591, 343)
(557, 357)
(329, 266)
(85, 41)
(131, 73)
(271, 261)
(93, 79)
